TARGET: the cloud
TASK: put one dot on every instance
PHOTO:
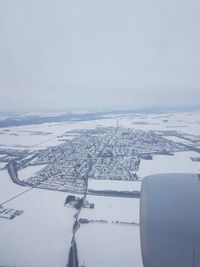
(87, 54)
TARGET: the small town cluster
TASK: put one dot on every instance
(112, 153)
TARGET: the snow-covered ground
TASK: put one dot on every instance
(41, 236)
(29, 171)
(114, 185)
(103, 245)
(21, 140)
(7, 188)
(181, 121)
(34, 137)
(112, 209)
(178, 140)
(110, 244)
(179, 163)
(2, 165)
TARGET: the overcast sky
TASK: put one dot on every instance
(87, 54)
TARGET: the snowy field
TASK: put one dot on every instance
(34, 137)
(29, 171)
(179, 163)
(102, 245)
(181, 121)
(114, 185)
(2, 165)
(178, 140)
(22, 140)
(7, 188)
(112, 209)
(110, 244)
(41, 236)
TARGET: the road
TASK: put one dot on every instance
(13, 174)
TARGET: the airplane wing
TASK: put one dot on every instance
(170, 220)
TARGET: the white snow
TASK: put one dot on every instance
(112, 209)
(41, 236)
(177, 139)
(179, 163)
(7, 188)
(114, 185)
(22, 140)
(103, 245)
(180, 121)
(22, 137)
(110, 244)
(2, 165)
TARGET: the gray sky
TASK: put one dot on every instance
(65, 54)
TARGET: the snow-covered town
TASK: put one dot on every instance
(112, 153)
(77, 185)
